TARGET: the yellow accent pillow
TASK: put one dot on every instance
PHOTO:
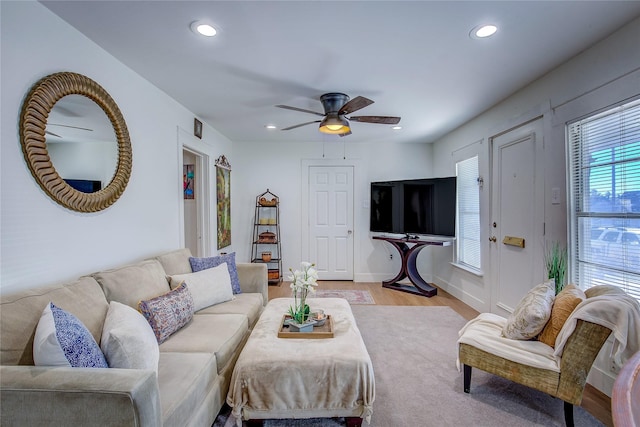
(566, 301)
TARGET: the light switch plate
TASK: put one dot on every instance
(555, 196)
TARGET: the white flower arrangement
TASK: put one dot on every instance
(303, 282)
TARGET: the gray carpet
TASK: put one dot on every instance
(413, 350)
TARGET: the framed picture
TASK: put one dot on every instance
(197, 128)
(188, 178)
(223, 199)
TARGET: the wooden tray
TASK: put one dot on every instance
(319, 332)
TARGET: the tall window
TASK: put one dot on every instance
(468, 231)
(604, 156)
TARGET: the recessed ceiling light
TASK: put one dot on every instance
(483, 31)
(271, 126)
(201, 27)
(396, 127)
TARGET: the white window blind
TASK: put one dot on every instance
(604, 156)
(468, 229)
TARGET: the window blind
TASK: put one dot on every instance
(604, 157)
(468, 204)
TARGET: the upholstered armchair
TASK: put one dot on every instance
(559, 367)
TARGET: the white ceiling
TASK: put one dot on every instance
(415, 59)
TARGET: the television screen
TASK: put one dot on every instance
(84, 185)
(419, 206)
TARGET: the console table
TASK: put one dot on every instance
(409, 269)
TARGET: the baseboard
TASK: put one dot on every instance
(471, 300)
(371, 277)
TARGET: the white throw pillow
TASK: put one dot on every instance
(61, 339)
(532, 313)
(208, 287)
(127, 339)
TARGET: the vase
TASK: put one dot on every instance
(301, 327)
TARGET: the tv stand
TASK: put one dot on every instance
(409, 269)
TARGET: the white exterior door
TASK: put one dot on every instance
(517, 212)
(331, 221)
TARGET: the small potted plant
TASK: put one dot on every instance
(303, 282)
(555, 259)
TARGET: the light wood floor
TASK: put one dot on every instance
(594, 401)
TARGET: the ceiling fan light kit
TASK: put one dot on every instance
(336, 107)
(334, 124)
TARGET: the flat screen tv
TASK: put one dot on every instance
(85, 185)
(414, 207)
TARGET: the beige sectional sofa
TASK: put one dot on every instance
(195, 363)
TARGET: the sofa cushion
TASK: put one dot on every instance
(224, 334)
(566, 301)
(128, 341)
(133, 283)
(207, 287)
(531, 313)
(20, 313)
(198, 264)
(62, 340)
(176, 262)
(249, 304)
(168, 312)
(184, 380)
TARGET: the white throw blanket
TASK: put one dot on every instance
(485, 333)
(620, 313)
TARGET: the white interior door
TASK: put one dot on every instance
(331, 221)
(517, 212)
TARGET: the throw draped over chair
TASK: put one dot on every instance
(561, 372)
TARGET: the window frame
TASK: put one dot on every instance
(468, 152)
(583, 266)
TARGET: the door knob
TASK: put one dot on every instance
(493, 239)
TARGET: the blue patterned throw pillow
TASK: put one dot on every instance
(62, 340)
(168, 312)
(198, 264)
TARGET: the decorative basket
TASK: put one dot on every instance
(264, 202)
(273, 274)
(266, 256)
(267, 237)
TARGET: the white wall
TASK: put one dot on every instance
(44, 243)
(607, 73)
(278, 167)
(612, 59)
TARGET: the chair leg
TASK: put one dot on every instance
(467, 377)
(568, 414)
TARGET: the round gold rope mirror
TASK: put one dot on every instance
(33, 124)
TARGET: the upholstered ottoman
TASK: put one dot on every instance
(303, 378)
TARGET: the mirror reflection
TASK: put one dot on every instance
(82, 144)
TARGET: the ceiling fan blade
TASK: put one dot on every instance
(286, 107)
(69, 126)
(354, 105)
(301, 124)
(385, 120)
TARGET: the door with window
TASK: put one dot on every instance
(517, 215)
(330, 218)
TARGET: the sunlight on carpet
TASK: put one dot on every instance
(353, 296)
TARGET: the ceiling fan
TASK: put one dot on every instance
(336, 107)
(48, 132)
